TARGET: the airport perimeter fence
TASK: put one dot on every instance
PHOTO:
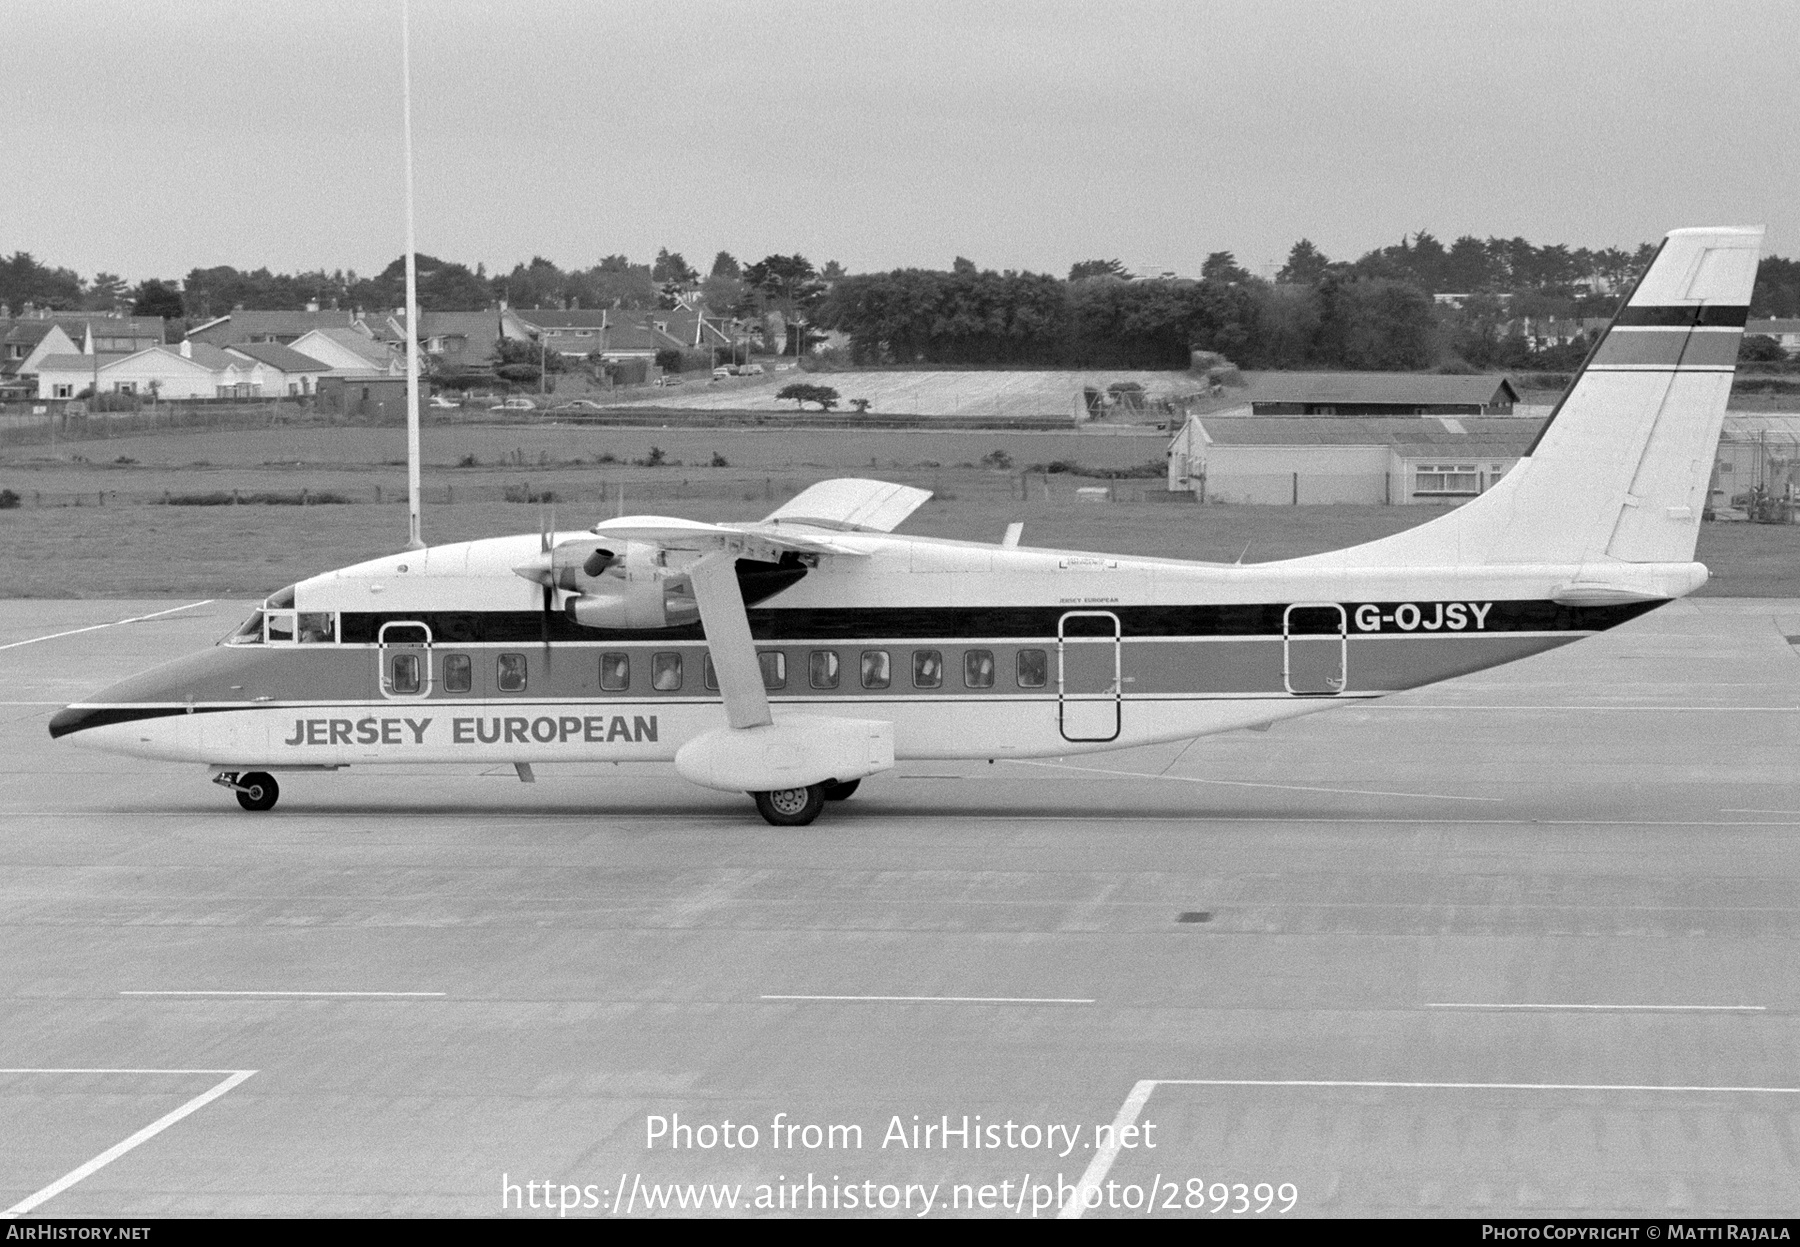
(55, 424)
(601, 494)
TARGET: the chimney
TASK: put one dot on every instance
(187, 349)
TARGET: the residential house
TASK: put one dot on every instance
(30, 339)
(25, 344)
(288, 372)
(453, 342)
(188, 370)
(1785, 331)
(348, 352)
(279, 326)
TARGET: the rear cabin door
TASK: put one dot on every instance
(1088, 675)
(403, 652)
(1315, 648)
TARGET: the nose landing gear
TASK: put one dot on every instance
(256, 790)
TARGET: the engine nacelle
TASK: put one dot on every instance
(665, 603)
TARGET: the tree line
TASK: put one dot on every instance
(1375, 312)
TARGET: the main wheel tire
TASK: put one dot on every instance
(841, 792)
(791, 807)
(257, 790)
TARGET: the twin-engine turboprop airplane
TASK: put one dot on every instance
(792, 657)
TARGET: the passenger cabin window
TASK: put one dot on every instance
(459, 673)
(823, 668)
(978, 668)
(928, 668)
(509, 673)
(875, 671)
(774, 669)
(615, 672)
(1034, 668)
(403, 673)
(665, 672)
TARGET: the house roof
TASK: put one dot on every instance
(79, 363)
(286, 358)
(584, 318)
(242, 324)
(1494, 435)
(1378, 387)
(212, 357)
(1780, 324)
(360, 343)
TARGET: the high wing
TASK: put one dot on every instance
(803, 525)
(755, 752)
(752, 541)
(850, 504)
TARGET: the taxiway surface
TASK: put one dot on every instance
(1518, 944)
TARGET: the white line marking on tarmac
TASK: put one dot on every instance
(1534, 709)
(1133, 1107)
(868, 821)
(1239, 783)
(119, 1149)
(954, 1000)
(1604, 1008)
(259, 993)
(114, 624)
(1098, 1167)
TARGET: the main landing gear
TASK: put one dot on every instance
(796, 807)
(256, 790)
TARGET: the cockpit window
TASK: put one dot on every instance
(250, 632)
(282, 599)
(315, 627)
(279, 627)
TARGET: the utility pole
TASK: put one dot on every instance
(414, 539)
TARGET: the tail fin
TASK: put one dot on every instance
(1619, 471)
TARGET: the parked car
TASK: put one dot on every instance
(750, 370)
(721, 373)
(579, 404)
(441, 403)
(668, 380)
(515, 404)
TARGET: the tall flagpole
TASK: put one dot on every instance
(414, 539)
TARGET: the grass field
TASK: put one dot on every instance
(66, 542)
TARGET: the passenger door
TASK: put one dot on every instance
(1087, 657)
(1315, 649)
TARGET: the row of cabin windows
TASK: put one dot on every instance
(823, 670)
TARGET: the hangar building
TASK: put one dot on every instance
(1379, 394)
(1288, 460)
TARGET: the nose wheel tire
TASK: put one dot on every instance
(791, 807)
(257, 790)
(841, 792)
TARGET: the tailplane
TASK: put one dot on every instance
(1619, 472)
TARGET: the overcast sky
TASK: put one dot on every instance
(153, 136)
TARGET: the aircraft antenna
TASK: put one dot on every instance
(414, 538)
